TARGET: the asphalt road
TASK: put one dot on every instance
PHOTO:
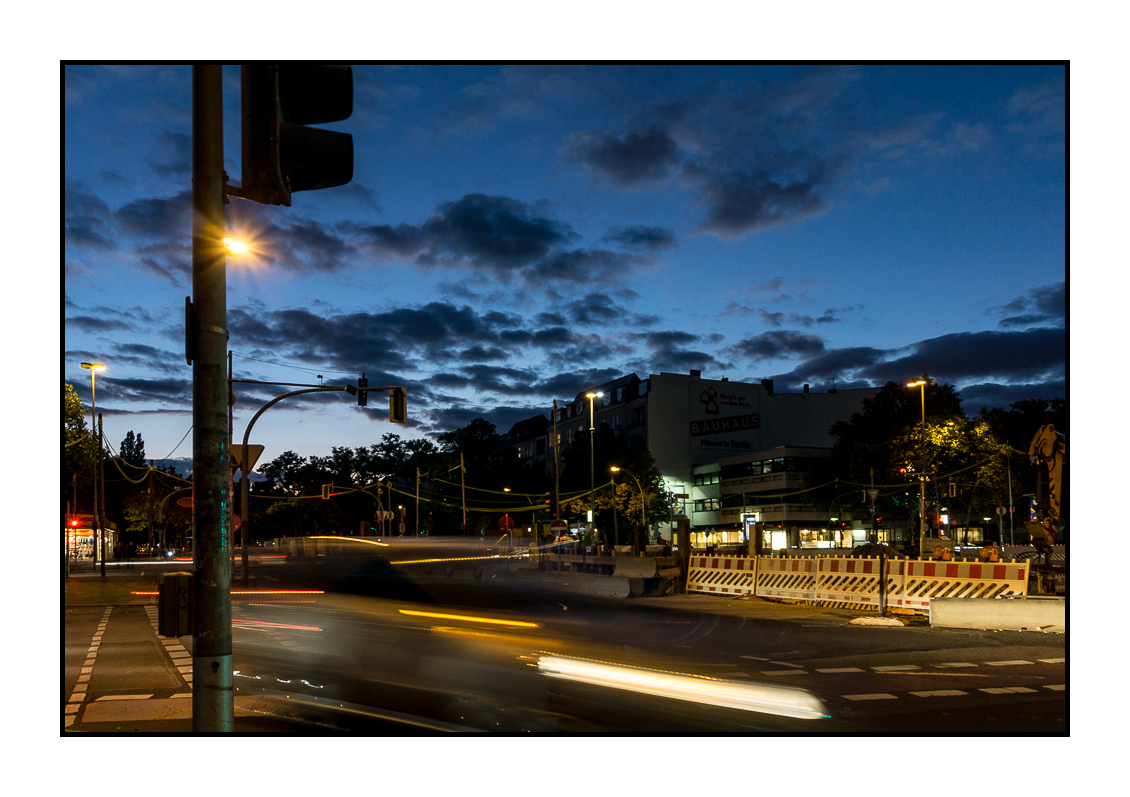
(363, 663)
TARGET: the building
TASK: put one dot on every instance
(693, 425)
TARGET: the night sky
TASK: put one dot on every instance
(516, 234)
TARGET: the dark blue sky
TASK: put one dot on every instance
(515, 234)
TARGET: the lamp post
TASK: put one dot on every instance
(592, 459)
(921, 385)
(643, 502)
(100, 533)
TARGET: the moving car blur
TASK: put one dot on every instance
(453, 635)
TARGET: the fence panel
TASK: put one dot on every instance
(722, 575)
(794, 579)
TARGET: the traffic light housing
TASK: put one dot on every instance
(397, 405)
(362, 393)
(281, 154)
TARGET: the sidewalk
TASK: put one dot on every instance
(149, 690)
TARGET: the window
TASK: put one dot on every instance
(702, 479)
(706, 505)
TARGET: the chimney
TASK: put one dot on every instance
(695, 374)
(806, 388)
(767, 386)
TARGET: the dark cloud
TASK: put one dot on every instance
(158, 217)
(629, 160)
(642, 238)
(91, 324)
(1043, 305)
(775, 345)
(992, 394)
(176, 151)
(740, 203)
(498, 233)
(86, 220)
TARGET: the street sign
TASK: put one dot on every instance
(874, 494)
(558, 527)
(506, 523)
(1000, 510)
(235, 522)
(681, 496)
(253, 454)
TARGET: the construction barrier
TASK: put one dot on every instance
(721, 575)
(910, 584)
(792, 579)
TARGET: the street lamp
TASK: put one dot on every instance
(592, 458)
(94, 367)
(921, 385)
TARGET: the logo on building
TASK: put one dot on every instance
(708, 399)
(737, 423)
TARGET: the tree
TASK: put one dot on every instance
(79, 450)
(132, 449)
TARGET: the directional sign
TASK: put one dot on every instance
(253, 454)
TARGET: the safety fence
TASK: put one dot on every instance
(910, 584)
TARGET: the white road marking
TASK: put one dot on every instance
(1007, 690)
(783, 672)
(1053, 661)
(896, 668)
(875, 696)
(1056, 687)
(838, 669)
(941, 693)
(123, 697)
(1006, 663)
(956, 664)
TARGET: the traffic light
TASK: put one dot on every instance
(280, 154)
(362, 394)
(397, 405)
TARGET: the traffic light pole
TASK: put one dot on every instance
(212, 699)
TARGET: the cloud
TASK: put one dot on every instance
(643, 238)
(1044, 305)
(775, 345)
(629, 160)
(86, 220)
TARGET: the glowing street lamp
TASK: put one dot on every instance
(592, 458)
(921, 385)
(235, 246)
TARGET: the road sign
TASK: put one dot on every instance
(506, 523)
(235, 522)
(558, 527)
(1000, 510)
(874, 494)
(253, 454)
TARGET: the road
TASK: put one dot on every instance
(467, 655)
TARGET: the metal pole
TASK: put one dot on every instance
(212, 705)
(102, 494)
(922, 481)
(556, 469)
(463, 489)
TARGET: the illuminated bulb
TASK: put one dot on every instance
(235, 247)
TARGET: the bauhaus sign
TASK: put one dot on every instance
(736, 423)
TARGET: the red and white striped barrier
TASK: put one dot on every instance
(792, 579)
(910, 584)
(721, 575)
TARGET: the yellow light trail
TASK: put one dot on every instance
(467, 618)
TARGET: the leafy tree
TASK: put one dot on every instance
(132, 449)
(79, 450)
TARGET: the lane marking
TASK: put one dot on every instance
(1007, 690)
(941, 693)
(896, 668)
(1006, 663)
(875, 696)
(123, 697)
(1052, 661)
(838, 669)
(1056, 687)
(956, 664)
(783, 672)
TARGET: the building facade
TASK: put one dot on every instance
(701, 432)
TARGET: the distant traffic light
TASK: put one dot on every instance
(362, 393)
(280, 154)
(397, 405)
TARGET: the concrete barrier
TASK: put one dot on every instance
(1006, 614)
